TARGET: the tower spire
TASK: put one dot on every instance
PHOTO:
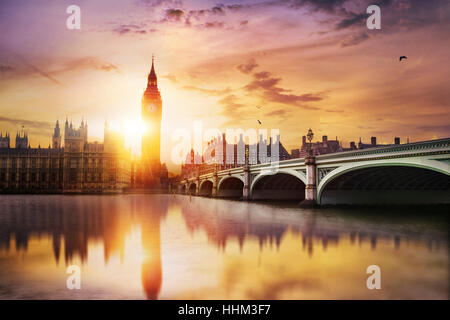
(152, 80)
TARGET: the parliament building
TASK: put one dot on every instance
(76, 167)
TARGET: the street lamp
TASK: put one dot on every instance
(310, 136)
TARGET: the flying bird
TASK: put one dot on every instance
(258, 107)
(259, 122)
(402, 57)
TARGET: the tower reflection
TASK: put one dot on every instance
(151, 270)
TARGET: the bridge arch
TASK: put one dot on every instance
(230, 187)
(192, 188)
(397, 181)
(205, 188)
(284, 184)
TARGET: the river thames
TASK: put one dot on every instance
(176, 247)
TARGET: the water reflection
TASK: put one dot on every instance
(268, 224)
(75, 223)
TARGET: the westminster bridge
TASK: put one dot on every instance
(413, 173)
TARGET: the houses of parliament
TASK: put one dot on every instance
(73, 165)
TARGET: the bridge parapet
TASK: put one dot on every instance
(439, 145)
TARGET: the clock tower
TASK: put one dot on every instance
(151, 113)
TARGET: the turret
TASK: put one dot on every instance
(4, 141)
(56, 139)
(21, 140)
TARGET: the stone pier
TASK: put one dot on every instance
(311, 187)
(247, 183)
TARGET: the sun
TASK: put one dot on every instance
(133, 131)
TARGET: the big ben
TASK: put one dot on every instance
(151, 113)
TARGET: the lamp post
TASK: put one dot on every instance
(310, 136)
(310, 188)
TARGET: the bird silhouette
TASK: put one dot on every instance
(402, 57)
(258, 107)
(259, 122)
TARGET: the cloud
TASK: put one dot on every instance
(334, 111)
(174, 14)
(278, 112)
(5, 68)
(197, 14)
(87, 63)
(37, 70)
(247, 67)
(232, 109)
(211, 92)
(201, 18)
(445, 128)
(129, 28)
(214, 24)
(354, 19)
(329, 6)
(354, 39)
(159, 3)
(267, 85)
(42, 125)
(261, 75)
(170, 77)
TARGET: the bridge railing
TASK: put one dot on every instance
(206, 168)
(415, 146)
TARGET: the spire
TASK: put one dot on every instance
(152, 76)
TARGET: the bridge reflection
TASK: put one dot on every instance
(243, 221)
(73, 223)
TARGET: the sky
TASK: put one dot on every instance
(292, 64)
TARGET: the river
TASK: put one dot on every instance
(177, 247)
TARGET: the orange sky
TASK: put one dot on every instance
(307, 63)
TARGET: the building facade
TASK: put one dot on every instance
(331, 146)
(222, 154)
(78, 167)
